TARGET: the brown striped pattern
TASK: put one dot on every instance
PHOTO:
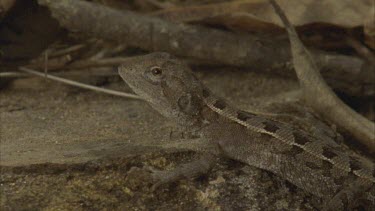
(300, 140)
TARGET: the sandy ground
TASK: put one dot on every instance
(64, 148)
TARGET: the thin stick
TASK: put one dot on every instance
(98, 63)
(153, 34)
(45, 63)
(70, 73)
(81, 85)
(67, 50)
(319, 95)
(13, 75)
(361, 49)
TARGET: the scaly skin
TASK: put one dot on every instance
(322, 168)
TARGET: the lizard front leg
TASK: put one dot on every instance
(189, 170)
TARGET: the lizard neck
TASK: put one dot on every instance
(223, 109)
(196, 112)
(217, 110)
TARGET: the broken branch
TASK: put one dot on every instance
(154, 34)
(319, 95)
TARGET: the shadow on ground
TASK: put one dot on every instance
(64, 148)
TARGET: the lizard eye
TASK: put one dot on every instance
(154, 75)
(156, 71)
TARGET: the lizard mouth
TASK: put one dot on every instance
(124, 69)
(127, 74)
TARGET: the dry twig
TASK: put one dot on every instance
(104, 73)
(115, 61)
(81, 85)
(67, 50)
(318, 94)
(361, 49)
(203, 43)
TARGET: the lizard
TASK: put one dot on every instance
(319, 167)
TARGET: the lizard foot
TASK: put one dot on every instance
(152, 176)
(158, 178)
(139, 178)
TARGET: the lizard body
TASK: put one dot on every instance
(319, 167)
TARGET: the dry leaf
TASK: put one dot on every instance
(346, 13)
(258, 15)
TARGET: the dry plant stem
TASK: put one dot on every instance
(77, 84)
(361, 49)
(13, 74)
(67, 50)
(154, 34)
(70, 73)
(83, 64)
(319, 95)
(115, 61)
(194, 13)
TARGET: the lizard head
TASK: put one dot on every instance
(167, 84)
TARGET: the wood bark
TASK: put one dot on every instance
(348, 74)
